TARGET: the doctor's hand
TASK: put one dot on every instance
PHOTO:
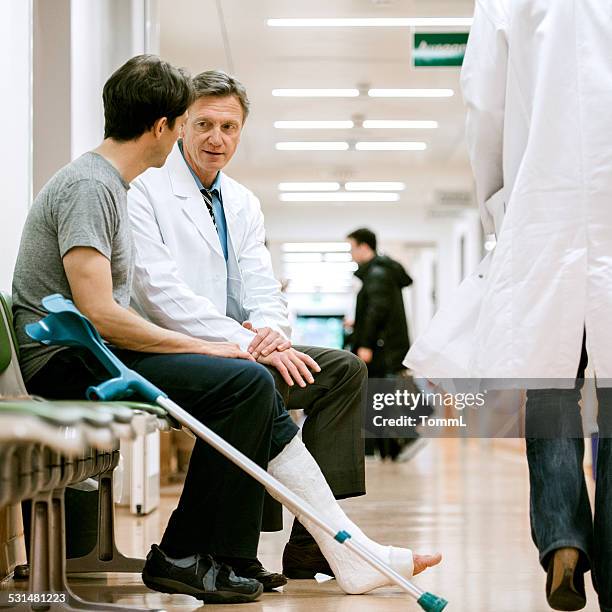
(224, 349)
(292, 365)
(266, 341)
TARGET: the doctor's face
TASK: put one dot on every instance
(211, 134)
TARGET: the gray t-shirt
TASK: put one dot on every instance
(83, 205)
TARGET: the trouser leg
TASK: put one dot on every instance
(602, 563)
(332, 429)
(332, 405)
(559, 505)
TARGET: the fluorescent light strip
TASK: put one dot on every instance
(313, 125)
(374, 186)
(316, 93)
(312, 146)
(305, 257)
(411, 93)
(337, 257)
(340, 196)
(330, 186)
(399, 124)
(390, 146)
(309, 247)
(379, 22)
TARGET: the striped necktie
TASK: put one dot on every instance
(209, 204)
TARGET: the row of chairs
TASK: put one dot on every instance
(46, 447)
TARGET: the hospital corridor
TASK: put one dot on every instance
(306, 305)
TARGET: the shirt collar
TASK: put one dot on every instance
(216, 184)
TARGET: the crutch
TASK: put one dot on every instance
(65, 325)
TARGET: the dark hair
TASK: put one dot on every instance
(219, 83)
(364, 235)
(142, 91)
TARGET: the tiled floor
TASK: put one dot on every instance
(467, 499)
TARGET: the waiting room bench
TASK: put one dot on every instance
(46, 446)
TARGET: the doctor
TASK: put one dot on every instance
(202, 269)
(536, 81)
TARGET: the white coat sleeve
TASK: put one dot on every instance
(483, 81)
(159, 292)
(264, 303)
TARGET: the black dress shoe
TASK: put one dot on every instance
(565, 581)
(302, 562)
(252, 568)
(199, 576)
(21, 572)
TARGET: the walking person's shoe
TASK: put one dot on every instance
(199, 576)
(565, 581)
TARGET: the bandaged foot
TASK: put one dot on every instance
(298, 471)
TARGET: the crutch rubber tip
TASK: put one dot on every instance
(432, 603)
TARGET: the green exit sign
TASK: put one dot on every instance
(438, 49)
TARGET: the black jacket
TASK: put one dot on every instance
(380, 318)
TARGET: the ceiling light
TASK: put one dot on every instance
(334, 257)
(306, 257)
(411, 93)
(309, 247)
(340, 196)
(374, 186)
(309, 186)
(316, 93)
(399, 124)
(390, 146)
(312, 146)
(360, 22)
(313, 125)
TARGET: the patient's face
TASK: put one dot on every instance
(211, 134)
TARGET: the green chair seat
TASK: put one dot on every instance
(7, 332)
(61, 417)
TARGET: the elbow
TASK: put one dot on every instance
(102, 317)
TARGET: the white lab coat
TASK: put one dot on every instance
(537, 81)
(181, 280)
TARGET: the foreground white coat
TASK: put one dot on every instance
(181, 280)
(537, 81)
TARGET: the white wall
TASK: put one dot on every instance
(56, 55)
(15, 110)
(104, 34)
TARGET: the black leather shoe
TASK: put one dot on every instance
(199, 576)
(565, 581)
(252, 568)
(302, 562)
(21, 572)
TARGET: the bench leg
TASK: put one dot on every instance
(105, 557)
(48, 559)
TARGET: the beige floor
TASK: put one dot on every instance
(465, 499)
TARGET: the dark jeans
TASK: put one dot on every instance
(559, 507)
(220, 508)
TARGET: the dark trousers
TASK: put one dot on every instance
(559, 505)
(332, 429)
(220, 508)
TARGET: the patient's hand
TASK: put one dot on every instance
(224, 349)
(266, 341)
(292, 365)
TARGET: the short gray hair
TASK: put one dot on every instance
(219, 83)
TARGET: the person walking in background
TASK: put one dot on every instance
(380, 330)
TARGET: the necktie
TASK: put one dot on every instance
(209, 204)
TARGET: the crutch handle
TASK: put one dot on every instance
(129, 383)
